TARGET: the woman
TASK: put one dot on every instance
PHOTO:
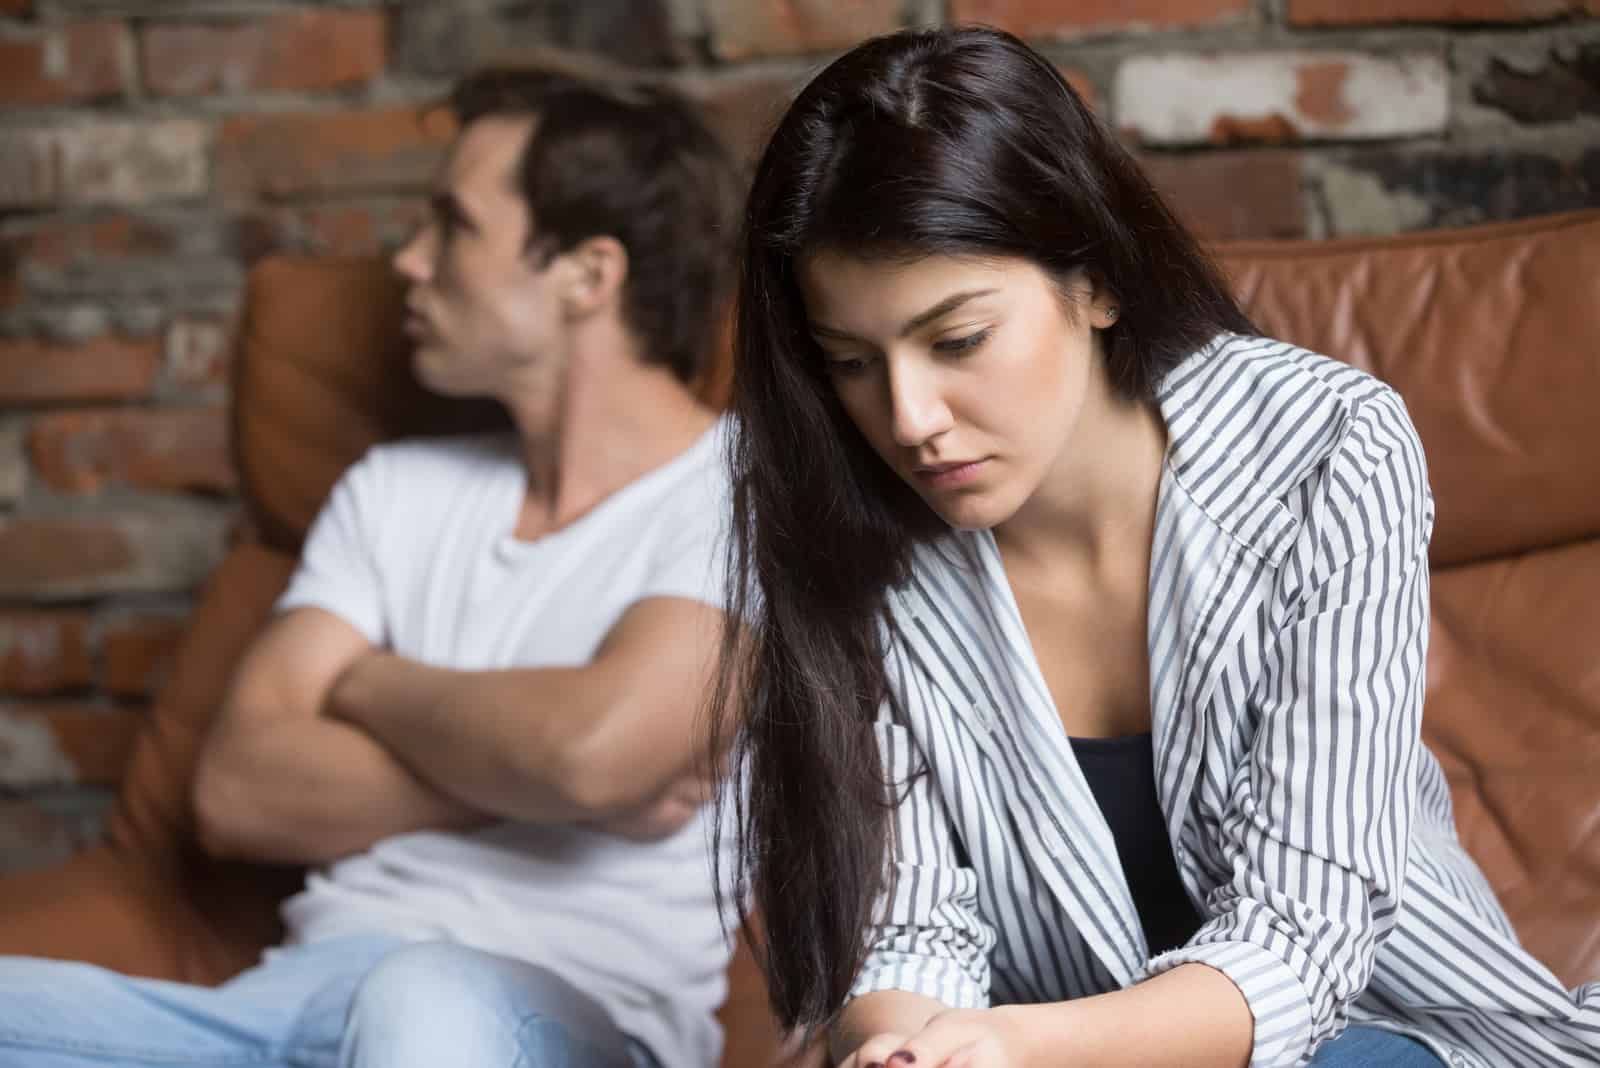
(1078, 704)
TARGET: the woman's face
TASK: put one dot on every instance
(967, 376)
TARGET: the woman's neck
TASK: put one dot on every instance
(1096, 506)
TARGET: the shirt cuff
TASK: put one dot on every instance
(1276, 997)
(944, 981)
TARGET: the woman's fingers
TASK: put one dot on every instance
(956, 1039)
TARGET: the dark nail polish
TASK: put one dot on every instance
(875, 1064)
(903, 1056)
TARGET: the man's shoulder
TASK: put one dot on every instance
(404, 464)
(696, 479)
(449, 452)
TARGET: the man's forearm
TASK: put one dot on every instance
(310, 791)
(482, 736)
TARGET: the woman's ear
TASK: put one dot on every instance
(597, 270)
(1102, 313)
(1104, 306)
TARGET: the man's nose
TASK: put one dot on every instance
(413, 260)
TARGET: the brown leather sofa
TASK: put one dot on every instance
(1492, 334)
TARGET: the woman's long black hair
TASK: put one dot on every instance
(955, 141)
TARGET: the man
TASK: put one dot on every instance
(477, 703)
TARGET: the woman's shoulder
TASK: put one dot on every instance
(1271, 373)
(1276, 414)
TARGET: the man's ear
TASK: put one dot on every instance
(596, 271)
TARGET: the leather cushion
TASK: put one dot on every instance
(1513, 713)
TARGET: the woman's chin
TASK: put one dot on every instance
(972, 512)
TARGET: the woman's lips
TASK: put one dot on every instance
(951, 475)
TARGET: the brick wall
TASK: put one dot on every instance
(150, 151)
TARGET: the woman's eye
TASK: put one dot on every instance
(962, 344)
(845, 365)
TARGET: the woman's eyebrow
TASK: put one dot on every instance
(921, 319)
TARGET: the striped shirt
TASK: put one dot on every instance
(1288, 623)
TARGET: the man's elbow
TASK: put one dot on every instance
(222, 816)
(600, 775)
(234, 819)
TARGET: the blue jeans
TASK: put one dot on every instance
(1373, 1047)
(366, 1002)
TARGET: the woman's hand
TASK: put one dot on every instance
(874, 1052)
(958, 1038)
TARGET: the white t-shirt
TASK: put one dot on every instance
(415, 549)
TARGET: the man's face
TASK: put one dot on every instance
(483, 309)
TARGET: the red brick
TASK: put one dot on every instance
(1358, 12)
(64, 64)
(285, 154)
(106, 368)
(304, 50)
(162, 546)
(60, 743)
(1225, 196)
(137, 654)
(45, 554)
(44, 652)
(1053, 18)
(154, 449)
(744, 28)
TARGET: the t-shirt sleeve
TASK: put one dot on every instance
(688, 561)
(338, 570)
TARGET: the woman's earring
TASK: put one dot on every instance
(1111, 315)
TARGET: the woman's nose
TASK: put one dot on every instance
(918, 411)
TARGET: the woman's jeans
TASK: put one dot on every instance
(364, 1002)
(1373, 1047)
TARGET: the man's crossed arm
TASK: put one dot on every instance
(327, 744)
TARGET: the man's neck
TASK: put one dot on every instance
(612, 420)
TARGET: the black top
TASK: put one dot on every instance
(1122, 775)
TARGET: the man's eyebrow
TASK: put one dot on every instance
(921, 319)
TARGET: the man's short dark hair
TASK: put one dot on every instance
(629, 159)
